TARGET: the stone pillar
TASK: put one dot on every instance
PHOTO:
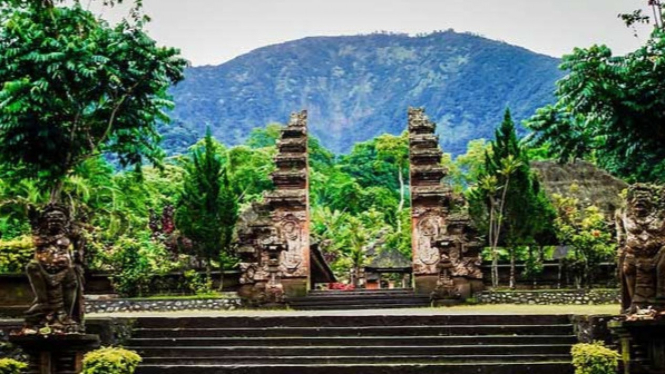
(430, 200)
(281, 219)
(56, 354)
(641, 344)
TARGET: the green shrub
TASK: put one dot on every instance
(110, 360)
(136, 262)
(9, 366)
(594, 359)
(15, 254)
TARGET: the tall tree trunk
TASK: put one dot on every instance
(497, 228)
(208, 274)
(401, 189)
(401, 199)
(56, 192)
(495, 268)
(221, 279)
(493, 271)
(511, 283)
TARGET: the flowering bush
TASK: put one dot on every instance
(341, 286)
(586, 232)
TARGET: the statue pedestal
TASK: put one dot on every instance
(642, 345)
(56, 354)
(425, 284)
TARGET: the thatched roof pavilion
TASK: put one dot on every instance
(594, 185)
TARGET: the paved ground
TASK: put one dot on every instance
(459, 310)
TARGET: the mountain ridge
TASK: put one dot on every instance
(357, 87)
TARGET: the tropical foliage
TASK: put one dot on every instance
(585, 231)
(610, 109)
(75, 87)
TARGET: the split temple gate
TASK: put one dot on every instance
(445, 248)
(273, 235)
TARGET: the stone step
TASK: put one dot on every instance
(359, 299)
(399, 291)
(369, 298)
(349, 350)
(376, 301)
(342, 360)
(332, 331)
(423, 340)
(357, 306)
(465, 368)
(348, 321)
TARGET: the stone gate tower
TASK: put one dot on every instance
(446, 249)
(289, 203)
(430, 200)
(273, 235)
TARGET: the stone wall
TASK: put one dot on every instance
(16, 290)
(546, 297)
(593, 328)
(147, 305)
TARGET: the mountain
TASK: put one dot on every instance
(358, 87)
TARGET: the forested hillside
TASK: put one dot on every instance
(358, 87)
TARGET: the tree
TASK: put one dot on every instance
(249, 170)
(75, 87)
(586, 232)
(262, 137)
(365, 165)
(467, 168)
(508, 198)
(610, 108)
(395, 149)
(355, 238)
(208, 207)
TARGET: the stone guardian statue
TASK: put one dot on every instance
(641, 238)
(56, 276)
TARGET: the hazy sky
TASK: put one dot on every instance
(214, 31)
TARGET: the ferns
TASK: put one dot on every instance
(611, 107)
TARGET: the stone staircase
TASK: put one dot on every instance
(303, 343)
(359, 299)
